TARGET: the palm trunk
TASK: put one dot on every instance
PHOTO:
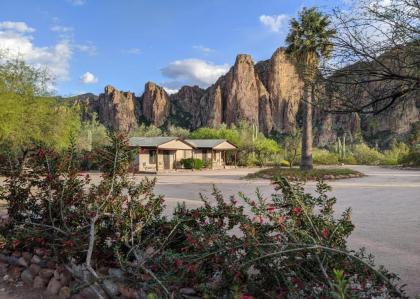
(307, 135)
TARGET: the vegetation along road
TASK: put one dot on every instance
(385, 203)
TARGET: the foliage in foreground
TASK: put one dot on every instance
(288, 246)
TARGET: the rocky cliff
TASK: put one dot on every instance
(115, 109)
(155, 104)
(267, 94)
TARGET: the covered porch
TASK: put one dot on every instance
(215, 153)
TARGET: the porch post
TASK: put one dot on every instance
(157, 159)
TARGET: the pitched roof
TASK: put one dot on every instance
(206, 143)
(149, 141)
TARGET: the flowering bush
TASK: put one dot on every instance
(287, 246)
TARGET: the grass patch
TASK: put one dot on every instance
(295, 174)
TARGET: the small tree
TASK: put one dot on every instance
(292, 144)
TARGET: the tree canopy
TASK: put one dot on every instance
(28, 112)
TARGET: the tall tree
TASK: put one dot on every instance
(28, 112)
(376, 61)
(309, 41)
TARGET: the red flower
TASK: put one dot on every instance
(49, 177)
(298, 282)
(195, 214)
(271, 208)
(40, 241)
(178, 263)
(41, 153)
(68, 243)
(233, 201)
(297, 211)
(191, 268)
(245, 296)
(325, 232)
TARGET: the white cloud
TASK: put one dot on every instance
(194, 71)
(16, 42)
(88, 78)
(16, 27)
(275, 22)
(61, 29)
(170, 90)
(203, 49)
(77, 2)
(88, 48)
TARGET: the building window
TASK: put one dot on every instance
(152, 157)
(185, 154)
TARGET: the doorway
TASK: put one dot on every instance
(166, 160)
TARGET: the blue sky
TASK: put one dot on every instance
(87, 44)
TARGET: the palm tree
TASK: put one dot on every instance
(309, 41)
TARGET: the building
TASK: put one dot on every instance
(165, 153)
(159, 153)
(214, 152)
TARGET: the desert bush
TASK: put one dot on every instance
(412, 159)
(284, 163)
(289, 245)
(324, 157)
(396, 152)
(191, 163)
(367, 155)
(348, 159)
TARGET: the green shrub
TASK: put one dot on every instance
(248, 160)
(191, 163)
(324, 157)
(284, 163)
(367, 155)
(349, 159)
(411, 159)
(394, 155)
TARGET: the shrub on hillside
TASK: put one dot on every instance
(367, 155)
(191, 163)
(289, 246)
(324, 157)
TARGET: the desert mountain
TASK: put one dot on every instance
(267, 93)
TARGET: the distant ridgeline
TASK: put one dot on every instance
(267, 93)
